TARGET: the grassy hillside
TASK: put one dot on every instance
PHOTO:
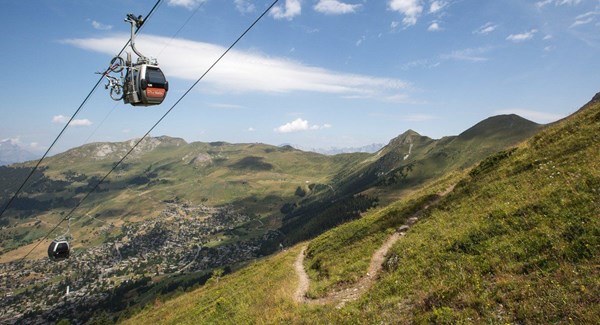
(407, 162)
(517, 241)
(255, 177)
(340, 257)
(264, 180)
(261, 291)
(411, 159)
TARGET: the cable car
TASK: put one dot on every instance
(145, 85)
(59, 250)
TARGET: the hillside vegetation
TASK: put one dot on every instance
(256, 178)
(412, 159)
(407, 162)
(174, 212)
(301, 194)
(516, 241)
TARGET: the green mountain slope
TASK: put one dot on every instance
(264, 180)
(254, 177)
(412, 159)
(408, 161)
(516, 241)
(175, 207)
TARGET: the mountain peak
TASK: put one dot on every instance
(410, 132)
(405, 138)
(11, 152)
(499, 124)
(171, 140)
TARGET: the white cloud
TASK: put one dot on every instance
(437, 6)
(521, 37)
(543, 3)
(486, 29)
(244, 6)
(411, 9)
(469, 54)
(584, 19)
(335, 7)
(15, 140)
(292, 9)
(251, 129)
(81, 122)
(400, 99)
(422, 63)
(294, 126)
(188, 4)
(475, 54)
(245, 71)
(101, 26)
(582, 22)
(434, 27)
(537, 116)
(547, 37)
(394, 25)
(298, 125)
(61, 119)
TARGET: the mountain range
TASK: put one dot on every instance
(259, 178)
(11, 153)
(513, 239)
(253, 198)
(371, 148)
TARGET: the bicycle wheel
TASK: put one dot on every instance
(116, 64)
(116, 92)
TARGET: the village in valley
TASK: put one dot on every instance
(183, 239)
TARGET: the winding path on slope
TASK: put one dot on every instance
(357, 289)
(303, 280)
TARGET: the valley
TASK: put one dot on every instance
(183, 239)
(176, 215)
(515, 241)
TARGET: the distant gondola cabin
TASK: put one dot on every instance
(58, 250)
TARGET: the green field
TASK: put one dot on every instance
(516, 241)
(341, 208)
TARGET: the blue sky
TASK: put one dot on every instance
(315, 73)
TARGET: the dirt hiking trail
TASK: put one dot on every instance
(353, 292)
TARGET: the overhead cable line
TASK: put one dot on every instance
(71, 119)
(68, 216)
(101, 123)
(181, 28)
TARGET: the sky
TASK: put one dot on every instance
(312, 73)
